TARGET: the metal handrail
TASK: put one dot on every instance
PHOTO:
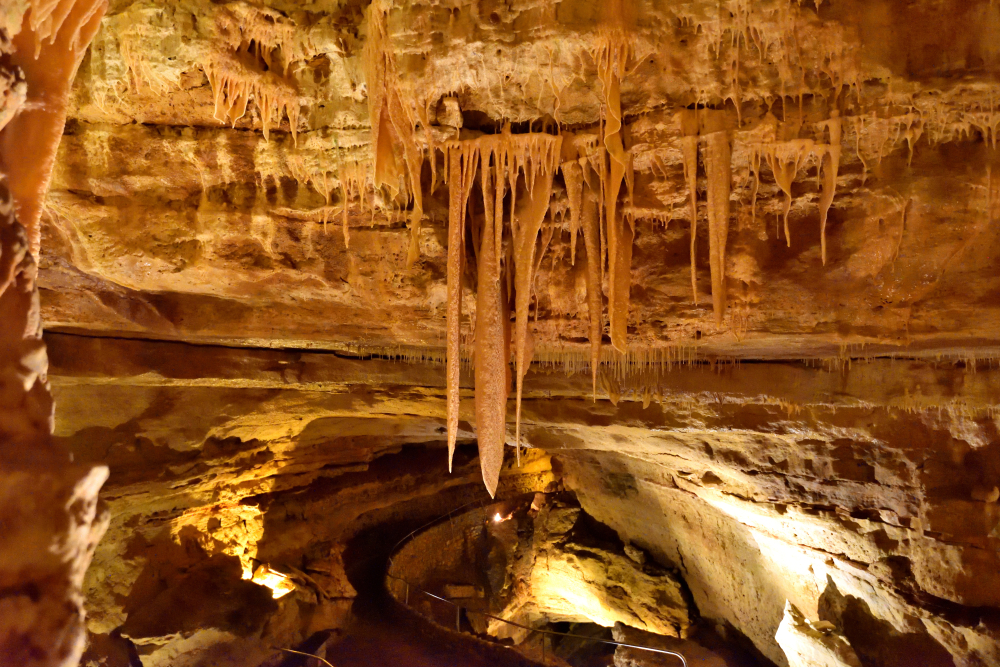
(503, 620)
(311, 655)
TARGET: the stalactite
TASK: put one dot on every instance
(785, 160)
(542, 162)
(755, 170)
(689, 147)
(492, 351)
(612, 55)
(30, 139)
(456, 268)
(591, 239)
(831, 165)
(392, 121)
(573, 178)
(719, 170)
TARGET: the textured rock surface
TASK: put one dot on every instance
(240, 222)
(842, 491)
(812, 645)
(549, 563)
(566, 573)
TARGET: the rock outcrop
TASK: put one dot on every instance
(515, 566)
(813, 645)
(565, 572)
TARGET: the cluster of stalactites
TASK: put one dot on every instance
(275, 39)
(352, 177)
(787, 158)
(595, 175)
(506, 243)
(234, 84)
(710, 126)
(393, 122)
(784, 158)
(46, 19)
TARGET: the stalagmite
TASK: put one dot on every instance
(719, 169)
(831, 165)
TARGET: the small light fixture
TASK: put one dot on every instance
(497, 518)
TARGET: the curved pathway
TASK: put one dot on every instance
(385, 633)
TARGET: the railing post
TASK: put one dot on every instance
(407, 598)
(458, 619)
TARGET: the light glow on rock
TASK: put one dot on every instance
(279, 583)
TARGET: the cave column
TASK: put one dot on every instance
(49, 517)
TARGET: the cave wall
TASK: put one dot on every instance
(836, 489)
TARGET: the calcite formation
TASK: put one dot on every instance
(48, 503)
(723, 272)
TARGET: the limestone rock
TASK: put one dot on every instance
(565, 573)
(808, 644)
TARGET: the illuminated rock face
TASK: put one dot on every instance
(531, 564)
(567, 574)
(760, 232)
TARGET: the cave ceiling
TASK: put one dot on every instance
(163, 221)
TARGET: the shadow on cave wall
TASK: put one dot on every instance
(182, 589)
(877, 642)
